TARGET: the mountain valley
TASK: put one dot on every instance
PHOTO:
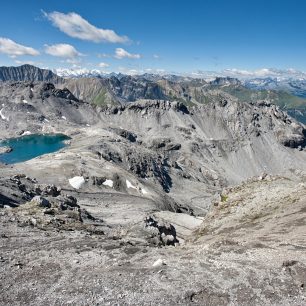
(173, 191)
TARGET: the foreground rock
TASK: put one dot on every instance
(44, 206)
(250, 251)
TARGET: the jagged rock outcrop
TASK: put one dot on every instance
(43, 206)
(48, 89)
(114, 90)
(40, 107)
(220, 81)
(161, 233)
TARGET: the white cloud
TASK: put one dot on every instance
(28, 62)
(254, 73)
(135, 71)
(120, 53)
(73, 60)
(249, 74)
(129, 71)
(62, 50)
(13, 49)
(76, 26)
(24, 62)
(156, 56)
(103, 65)
(263, 73)
(104, 55)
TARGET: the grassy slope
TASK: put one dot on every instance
(281, 98)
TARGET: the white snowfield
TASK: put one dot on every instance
(144, 191)
(26, 133)
(109, 183)
(129, 184)
(2, 115)
(77, 182)
(25, 101)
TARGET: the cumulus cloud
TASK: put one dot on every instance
(13, 49)
(104, 55)
(137, 71)
(250, 74)
(24, 62)
(263, 73)
(62, 50)
(28, 62)
(103, 65)
(76, 26)
(129, 71)
(120, 53)
(73, 60)
(254, 73)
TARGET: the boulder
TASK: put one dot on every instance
(165, 232)
(5, 149)
(40, 201)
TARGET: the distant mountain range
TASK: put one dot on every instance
(294, 83)
(291, 83)
(115, 88)
(294, 86)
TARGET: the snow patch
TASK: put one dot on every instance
(25, 101)
(77, 182)
(26, 133)
(158, 263)
(109, 183)
(144, 191)
(2, 115)
(63, 117)
(129, 185)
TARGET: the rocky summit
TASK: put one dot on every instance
(169, 191)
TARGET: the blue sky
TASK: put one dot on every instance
(175, 36)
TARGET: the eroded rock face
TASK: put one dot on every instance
(28, 73)
(39, 107)
(43, 206)
(43, 202)
(141, 162)
(129, 89)
(48, 190)
(132, 137)
(48, 89)
(292, 140)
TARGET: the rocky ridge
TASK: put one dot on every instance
(28, 73)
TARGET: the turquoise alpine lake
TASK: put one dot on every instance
(31, 146)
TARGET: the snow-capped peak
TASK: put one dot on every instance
(78, 73)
